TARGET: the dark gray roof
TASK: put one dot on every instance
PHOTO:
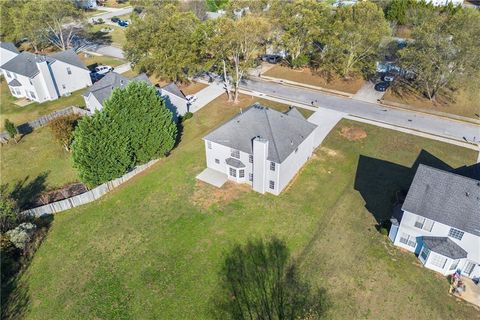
(445, 197)
(173, 89)
(70, 57)
(283, 132)
(103, 88)
(293, 112)
(26, 63)
(9, 46)
(445, 246)
(235, 163)
(14, 83)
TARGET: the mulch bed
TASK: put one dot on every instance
(65, 192)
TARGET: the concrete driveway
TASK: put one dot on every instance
(368, 93)
(326, 120)
(206, 95)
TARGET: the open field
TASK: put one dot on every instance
(34, 155)
(153, 248)
(464, 102)
(19, 115)
(307, 77)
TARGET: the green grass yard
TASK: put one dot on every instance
(117, 36)
(19, 115)
(153, 248)
(91, 61)
(35, 154)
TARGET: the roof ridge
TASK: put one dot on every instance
(447, 172)
(271, 131)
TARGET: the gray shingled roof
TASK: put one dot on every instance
(235, 163)
(103, 88)
(26, 63)
(14, 83)
(9, 46)
(172, 88)
(295, 113)
(445, 246)
(445, 197)
(283, 132)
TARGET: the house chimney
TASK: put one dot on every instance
(260, 154)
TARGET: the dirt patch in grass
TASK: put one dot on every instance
(353, 133)
(206, 195)
(310, 77)
(324, 153)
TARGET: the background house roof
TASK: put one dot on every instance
(445, 246)
(14, 83)
(173, 89)
(284, 132)
(9, 46)
(445, 197)
(25, 63)
(103, 88)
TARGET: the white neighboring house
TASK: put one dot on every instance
(445, 2)
(102, 89)
(440, 221)
(42, 78)
(261, 147)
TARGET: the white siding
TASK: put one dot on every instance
(68, 83)
(177, 105)
(92, 103)
(6, 55)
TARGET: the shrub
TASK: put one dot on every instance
(8, 210)
(62, 129)
(187, 116)
(22, 235)
(299, 62)
(11, 129)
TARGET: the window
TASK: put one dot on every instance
(408, 240)
(217, 161)
(272, 166)
(233, 172)
(235, 153)
(32, 94)
(454, 233)
(69, 71)
(438, 261)
(454, 265)
(272, 184)
(425, 252)
(241, 173)
(250, 176)
(209, 144)
(423, 223)
(63, 86)
(250, 158)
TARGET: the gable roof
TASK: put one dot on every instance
(445, 197)
(173, 89)
(9, 46)
(445, 246)
(292, 111)
(283, 131)
(25, 63)
(14, 83)
(103, 88)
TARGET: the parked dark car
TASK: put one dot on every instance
(271, 58)
(123, 23)
(115, 19)
(388, 77)
(382, 86)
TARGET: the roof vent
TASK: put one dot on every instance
(467, 194)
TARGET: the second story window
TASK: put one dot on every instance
(250, 158)
(423, 223)
(209, 145)
(454, 233)
(69, 71)
(235, 153)
(272, 166)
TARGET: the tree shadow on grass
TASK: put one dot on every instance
(380, 181)
(26, 192)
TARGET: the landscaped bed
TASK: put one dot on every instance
(154, 247)
(307, 76)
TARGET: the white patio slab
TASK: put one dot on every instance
(213, 177)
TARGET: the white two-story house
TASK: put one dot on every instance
(440, 222)
(261, 147)
(43, 78)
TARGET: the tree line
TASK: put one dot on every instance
(176, 43)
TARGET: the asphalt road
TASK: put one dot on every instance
(422, 122)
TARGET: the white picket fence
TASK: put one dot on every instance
(88, 196)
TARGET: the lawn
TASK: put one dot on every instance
(92, 61)
(306, 76)
(117, 36)
(19, 115)
(34, 155)
(463, 102)
(152, 249)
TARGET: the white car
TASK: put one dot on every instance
(191, 98)
(103, 69)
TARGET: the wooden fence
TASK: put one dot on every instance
(88, 196)
(29, 126)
